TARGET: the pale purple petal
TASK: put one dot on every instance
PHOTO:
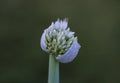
(61, 24)
(70, 54)
(42, 43)
(64, 24)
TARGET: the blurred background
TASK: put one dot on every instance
(95, 22)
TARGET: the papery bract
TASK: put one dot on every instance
(70, 54)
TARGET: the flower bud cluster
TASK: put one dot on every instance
(57, 40)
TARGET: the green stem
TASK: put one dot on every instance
(53, 76)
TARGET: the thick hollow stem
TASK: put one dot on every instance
(53, 75)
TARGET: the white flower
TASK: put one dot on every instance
(60, 42)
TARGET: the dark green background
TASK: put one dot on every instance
(95, 22)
